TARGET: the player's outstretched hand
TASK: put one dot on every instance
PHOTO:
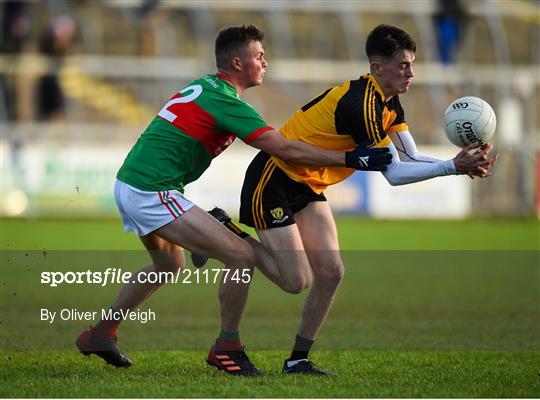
(368, 159)
(474, 160)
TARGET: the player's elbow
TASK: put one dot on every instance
(286, 152)
(396, 182)
(280, 147)
(393, 180)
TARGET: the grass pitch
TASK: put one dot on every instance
(359, 375)
(427, 309)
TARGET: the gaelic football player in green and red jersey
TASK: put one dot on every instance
(194, 126)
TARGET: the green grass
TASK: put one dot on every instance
(355, 234)
(359, 375)
(427, 309)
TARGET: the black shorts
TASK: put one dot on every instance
(269, 197)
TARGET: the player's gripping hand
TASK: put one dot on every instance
(474, 160)
(368, 159)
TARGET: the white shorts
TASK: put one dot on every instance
(144, 212)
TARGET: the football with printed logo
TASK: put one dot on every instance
(468, 120)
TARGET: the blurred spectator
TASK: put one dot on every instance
(15, 27)
(450, 23)
(150, 19)
(55, 44)
(15, 38)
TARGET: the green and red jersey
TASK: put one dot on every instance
(194, 126)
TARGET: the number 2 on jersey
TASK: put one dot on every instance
(168, 115)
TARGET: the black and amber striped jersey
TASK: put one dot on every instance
(341, 118)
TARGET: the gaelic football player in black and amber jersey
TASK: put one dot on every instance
(284, 200)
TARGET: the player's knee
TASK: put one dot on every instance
(331, 277)
(298, 285)
(242, 256)
(294, 288)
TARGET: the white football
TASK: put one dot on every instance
(468, 120)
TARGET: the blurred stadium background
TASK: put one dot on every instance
(81, 79)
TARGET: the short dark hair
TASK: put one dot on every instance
(387, 40)
(232, 39)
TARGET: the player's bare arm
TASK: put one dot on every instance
(272, 142)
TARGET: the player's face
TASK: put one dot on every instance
(395, 74)
(254, 64)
